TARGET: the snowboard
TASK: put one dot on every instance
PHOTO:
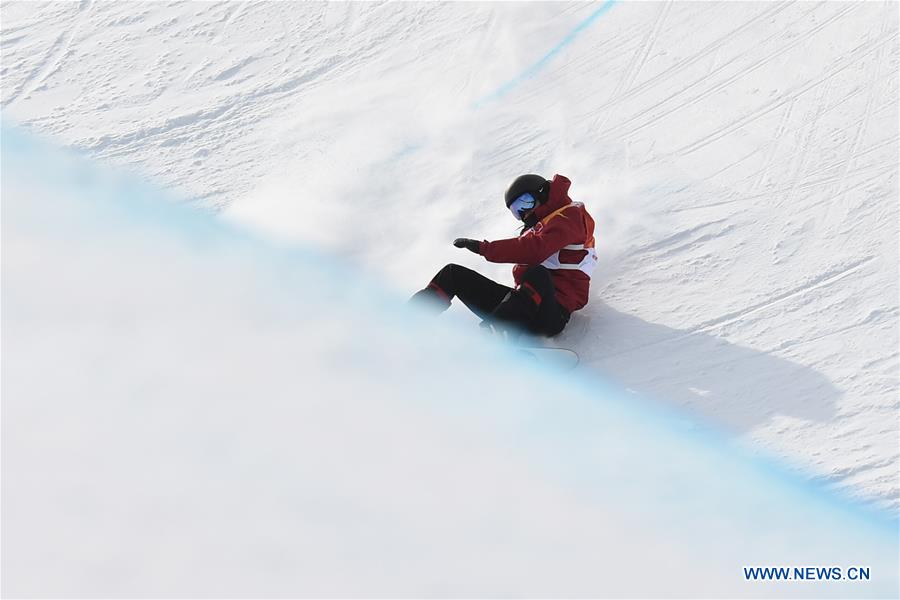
(562, 358)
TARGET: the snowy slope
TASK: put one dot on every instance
(740, 160)
(182, 418)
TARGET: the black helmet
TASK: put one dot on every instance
(535, 185)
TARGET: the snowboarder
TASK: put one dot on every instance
(554, 256)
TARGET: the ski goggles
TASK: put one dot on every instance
(522, 205)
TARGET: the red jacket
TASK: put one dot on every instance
(562, 240)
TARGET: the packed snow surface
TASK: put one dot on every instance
(740, 160)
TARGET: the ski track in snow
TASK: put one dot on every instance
(743, 176)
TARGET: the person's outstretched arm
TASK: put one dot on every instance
(535, 247)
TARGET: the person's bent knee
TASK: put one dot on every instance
(537, 274)
(536, 271)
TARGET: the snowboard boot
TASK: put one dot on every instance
(433, 299)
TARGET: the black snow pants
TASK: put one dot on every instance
(531, 306)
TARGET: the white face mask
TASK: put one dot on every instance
(522, 205)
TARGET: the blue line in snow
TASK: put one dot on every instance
(544, 60)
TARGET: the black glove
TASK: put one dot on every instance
(472, 245)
